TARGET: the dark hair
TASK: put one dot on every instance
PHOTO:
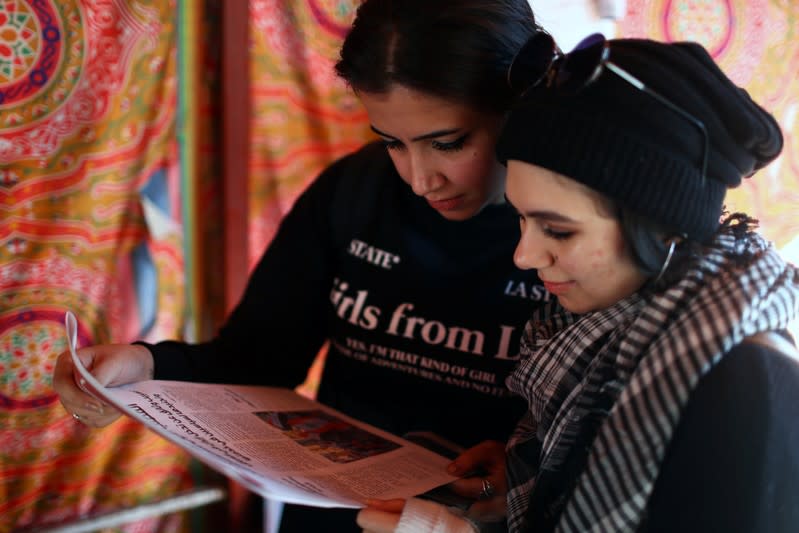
(648, 242)
(458, 50)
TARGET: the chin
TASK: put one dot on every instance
(459, 215)
(578, 308)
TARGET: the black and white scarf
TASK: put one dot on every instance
(647, 353)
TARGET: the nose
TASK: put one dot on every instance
(532, 252)
(424, 178)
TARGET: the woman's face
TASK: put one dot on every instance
(443, 150)
(570, 236)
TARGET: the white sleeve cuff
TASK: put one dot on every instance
(426, 516)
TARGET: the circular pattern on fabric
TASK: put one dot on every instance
(733, 31)
(32, 323)
(99, 44)
(30, 48)
(29, 343)
(686, 19)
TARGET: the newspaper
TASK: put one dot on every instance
(274, 441)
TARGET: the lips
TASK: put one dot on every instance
(558, 287)
(448, 204)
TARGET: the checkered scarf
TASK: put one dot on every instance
(639, 358)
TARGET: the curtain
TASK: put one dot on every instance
(90, 221)
(304, 117)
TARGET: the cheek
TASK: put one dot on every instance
(611, 267)
(607, 252)
(588, 264)
(598, 259)
(474, 170)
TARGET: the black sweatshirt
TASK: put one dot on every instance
(423, 314)
(733, 462)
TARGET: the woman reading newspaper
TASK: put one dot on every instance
(398, 255)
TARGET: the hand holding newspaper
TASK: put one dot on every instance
(274, 441)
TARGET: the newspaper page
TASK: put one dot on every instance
(274, 441)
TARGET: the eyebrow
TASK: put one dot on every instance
(431, 135)
(545, 215)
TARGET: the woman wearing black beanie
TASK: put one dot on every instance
(667, 398)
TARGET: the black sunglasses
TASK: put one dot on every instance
(533, 62)
(540, 62)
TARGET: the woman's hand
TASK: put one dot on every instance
(112, 365)
(381, 516)
(411, 516)
(483, 468)
(488, 487)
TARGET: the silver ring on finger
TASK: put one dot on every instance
(487, 490)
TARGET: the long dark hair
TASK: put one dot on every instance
(458, 50)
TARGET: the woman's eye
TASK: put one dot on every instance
(453, 146)
(557, 234)
(393, 145)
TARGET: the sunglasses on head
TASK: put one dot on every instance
(541, 63)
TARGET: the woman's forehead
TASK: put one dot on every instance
(409, 113)
(535, 187)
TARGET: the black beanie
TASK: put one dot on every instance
(626, 144)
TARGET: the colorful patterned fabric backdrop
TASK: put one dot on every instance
(304, 117)
(756, 42)
(89, 221)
